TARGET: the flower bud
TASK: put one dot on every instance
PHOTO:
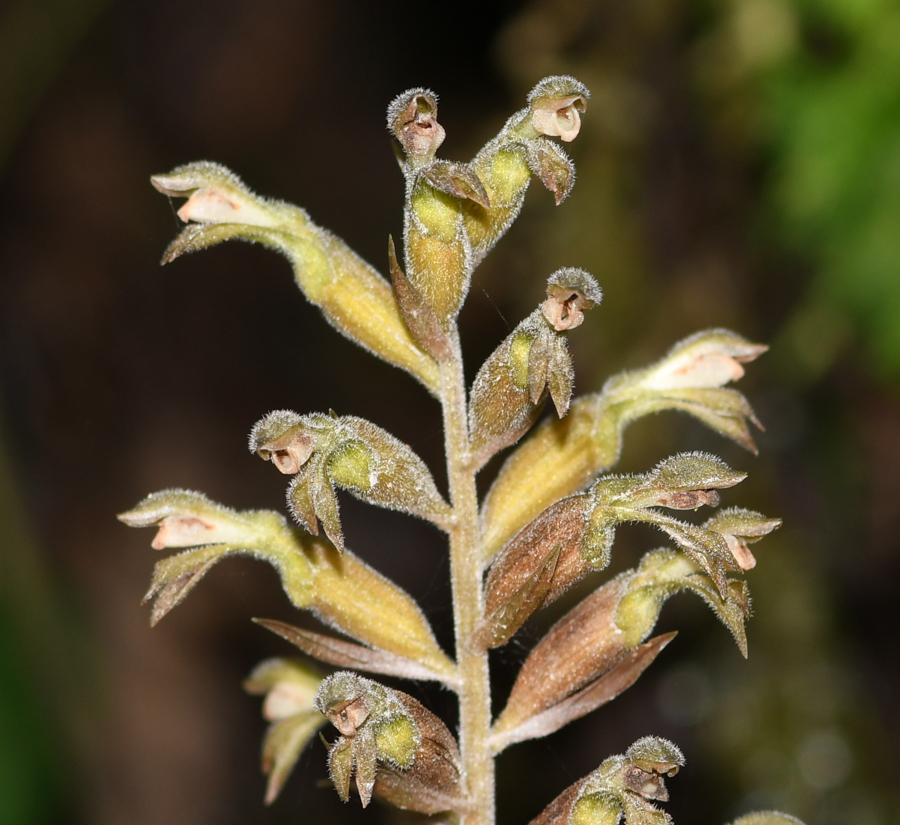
(621, 785)
(510, 389)
(325, 451)
(394, 746)
(561, 457)
(290, 688)
(767, 818)
(353, 297)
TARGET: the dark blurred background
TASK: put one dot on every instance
(739, 166)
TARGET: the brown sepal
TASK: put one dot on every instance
(582, 646)
(432, 783)
(457, 179)
(552, 165)
(174, 592)
(602, 690)
(538, 564)
(346, 654)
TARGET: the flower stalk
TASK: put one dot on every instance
(546, 522)
(468, 601)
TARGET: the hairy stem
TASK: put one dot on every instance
(468, 601)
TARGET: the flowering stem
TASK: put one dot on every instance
(468, 600)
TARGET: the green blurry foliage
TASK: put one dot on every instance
(833, 126)
(814, 86)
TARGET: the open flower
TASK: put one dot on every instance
(556, 107)
(412, 119)
(390, 744)
(625, 784)
(216, 195)
(569, 293)
(703, 361)
(740, 528)
(290, 690)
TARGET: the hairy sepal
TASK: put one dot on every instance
(344, 654)
(350, 453)
(395, 746)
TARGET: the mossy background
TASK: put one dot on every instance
(739, 166)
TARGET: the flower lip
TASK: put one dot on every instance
(184, 531)
(559, 116)
(348, 716)
(569, 293)
(288, 452)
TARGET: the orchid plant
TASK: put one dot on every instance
(548, 520)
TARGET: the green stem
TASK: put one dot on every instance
(468, 600)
